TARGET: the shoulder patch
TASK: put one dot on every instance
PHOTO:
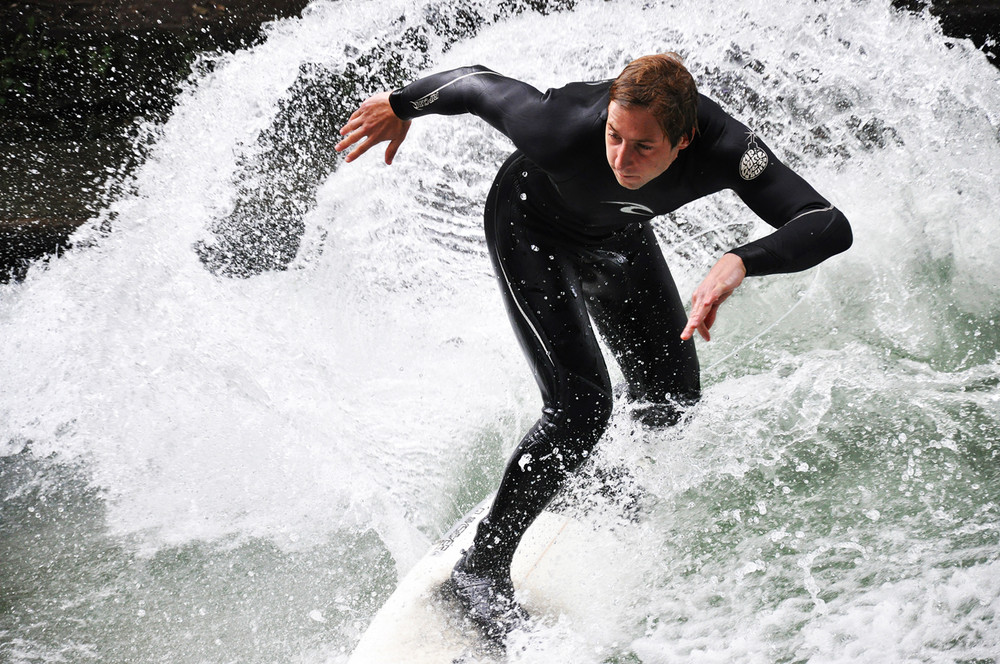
(754, 160)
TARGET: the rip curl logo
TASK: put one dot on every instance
(754, 160)
(426, 100)
(629, 207)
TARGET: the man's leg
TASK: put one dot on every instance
(542, 293)
(640, 314)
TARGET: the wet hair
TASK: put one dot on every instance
(663, 86)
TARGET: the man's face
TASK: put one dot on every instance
(638, 150)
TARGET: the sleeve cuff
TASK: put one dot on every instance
(755, 259)
(398, 105)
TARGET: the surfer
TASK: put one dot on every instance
(568, 232)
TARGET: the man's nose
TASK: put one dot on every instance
(623, 158)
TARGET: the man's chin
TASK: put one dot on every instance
(629, 183)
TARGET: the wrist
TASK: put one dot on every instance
(750, 256)
(736, 259)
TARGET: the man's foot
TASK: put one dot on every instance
(488, 602)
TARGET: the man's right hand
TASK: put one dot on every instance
(374, 121)
(725, 277)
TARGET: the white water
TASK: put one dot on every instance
(201, 468)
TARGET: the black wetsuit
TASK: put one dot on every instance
(570, 245)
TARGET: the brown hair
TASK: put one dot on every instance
(663, 86)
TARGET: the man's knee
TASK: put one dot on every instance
(587, 408)
(575, 424)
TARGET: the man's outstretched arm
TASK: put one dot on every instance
(509, 105)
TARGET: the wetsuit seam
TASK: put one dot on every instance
(802, 214)
(430, 97)
(514, 293)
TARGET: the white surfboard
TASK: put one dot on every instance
(420, 625)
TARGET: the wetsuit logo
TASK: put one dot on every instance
(754, 160)
(629, 207)
(426, 100)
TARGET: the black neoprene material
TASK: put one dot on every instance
(569, 246)
(553, 287)
(562, 132)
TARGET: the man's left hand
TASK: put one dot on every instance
(722, 280)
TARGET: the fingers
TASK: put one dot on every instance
(347, 142)
(362, 138)
(350, 131)
(724, 278)
(352, 123)
(689, 329)
(704, 308)
(390, 152)
(357, 127)
(351, 135)
(365, 146)
(708, 322)
(362, 148)
(701, 323)
(697, 320)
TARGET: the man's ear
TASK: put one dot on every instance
(685, 141)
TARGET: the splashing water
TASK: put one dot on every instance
(196, 467)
